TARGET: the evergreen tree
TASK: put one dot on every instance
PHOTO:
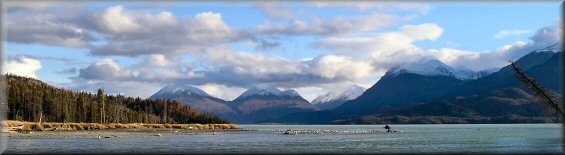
(102, 107)
(29, 100)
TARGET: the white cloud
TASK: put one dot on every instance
(497, 58)
(334, 66)
(116, 21)
(222, 91)
(548, 35)
(427, 31)
(140, 33)
(383, 50)
(336, 25)
(157, 60)
(256, 66)
(22, 66)
(105, 69)
(210, 26)
(47, 28)
(109, 70)
(383, 42)
(506, 33)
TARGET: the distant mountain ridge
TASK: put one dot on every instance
(435, 67)
(196, 98)
(439, 94)
(253, 105)
(258, 104)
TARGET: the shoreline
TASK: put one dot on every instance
(113, 133)
(21, 126)
(33, 130)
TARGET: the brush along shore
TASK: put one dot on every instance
(20, 126)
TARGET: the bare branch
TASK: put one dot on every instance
(540, 93)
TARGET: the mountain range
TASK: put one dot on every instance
(421, 92)
(255, 104)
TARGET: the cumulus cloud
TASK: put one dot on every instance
(248, 70)
(386, 49)
(506, 33)
(547, 35)
(335, 66)
(110, 70)
(22, 66)
(162, 33)
(48, 28)
(390, 48)
(497, 58)
(382, 42)
(114, 20)
(119, 31)
(105, 69)
(210, 26)
(337, 25)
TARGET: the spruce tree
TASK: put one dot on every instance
(101, 103)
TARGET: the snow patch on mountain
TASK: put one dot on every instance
(435, 67)
(552, 48)
(348, 94)
(180, 90)
(269, 91)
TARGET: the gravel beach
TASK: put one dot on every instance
(112, 133)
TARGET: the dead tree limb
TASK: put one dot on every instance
(540, 93)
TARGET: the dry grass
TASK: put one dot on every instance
(50, 126)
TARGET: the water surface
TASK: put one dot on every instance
(469, 138)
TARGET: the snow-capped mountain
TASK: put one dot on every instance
(172, 90)
(268, 91)
(331, 100)
(196, 98)
(435, 67)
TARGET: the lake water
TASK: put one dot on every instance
(468, 138)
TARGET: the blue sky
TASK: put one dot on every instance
(224, 49)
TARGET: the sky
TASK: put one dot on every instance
(225, 48)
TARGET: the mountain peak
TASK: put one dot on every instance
(435, 67)
(180, 90)
(268, 91)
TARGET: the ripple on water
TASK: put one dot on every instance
(269, 139)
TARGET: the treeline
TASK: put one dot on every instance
(32, 100)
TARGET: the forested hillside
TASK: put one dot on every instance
(31, 100)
